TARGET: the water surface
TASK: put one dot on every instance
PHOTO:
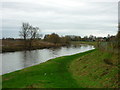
(22, 59)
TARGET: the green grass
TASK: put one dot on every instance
(51, 74)
(82, 70)
(91, 71)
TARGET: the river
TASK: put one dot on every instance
(13, 61)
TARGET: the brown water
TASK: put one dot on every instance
(22, 59)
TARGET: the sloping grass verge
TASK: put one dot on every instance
(96, 70)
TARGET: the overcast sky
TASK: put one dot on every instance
(64, 17)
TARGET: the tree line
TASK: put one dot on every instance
(29, 33)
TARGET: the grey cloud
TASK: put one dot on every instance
(95, 17)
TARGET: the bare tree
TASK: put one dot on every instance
(25, 30)
(24, 33)
(33, 34)
(29, 33)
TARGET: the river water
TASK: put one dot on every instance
(13, 61)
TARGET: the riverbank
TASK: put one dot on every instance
(94, 43)
(96, 70)
(18, 45)
(82, 70)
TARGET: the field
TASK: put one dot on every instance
(18, 45)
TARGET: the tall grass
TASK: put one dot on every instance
(113, 48)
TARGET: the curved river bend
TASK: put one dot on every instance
(22, 59)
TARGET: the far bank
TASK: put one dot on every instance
(18, 45)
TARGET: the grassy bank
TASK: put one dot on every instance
(96, 70)
(18, 45)
(91, 69)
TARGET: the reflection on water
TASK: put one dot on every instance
(19, 60)
(29, 58)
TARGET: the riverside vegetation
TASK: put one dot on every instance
(18, 45)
